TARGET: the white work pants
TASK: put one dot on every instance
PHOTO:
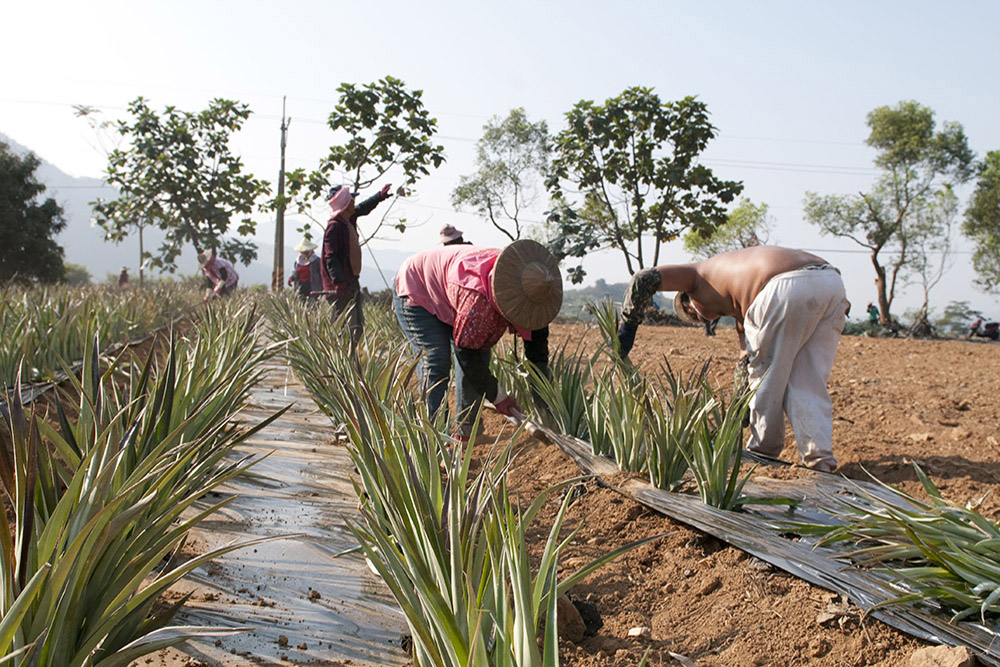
(792, 329)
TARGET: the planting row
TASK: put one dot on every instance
(103, 496)
(46, 328)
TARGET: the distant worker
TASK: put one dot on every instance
(451, 236)
(872, 313)
(220, 276)
(789, 307)
(307, 274)
(465, 298)
(341, 260)
(123, 277)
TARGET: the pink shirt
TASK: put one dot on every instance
(453, 284)
(212, 271)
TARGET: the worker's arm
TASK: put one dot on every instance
(639, 295)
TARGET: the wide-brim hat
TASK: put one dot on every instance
(680, 311)
(204, 257)
(527, 285)
(305, 246)
(449, 233)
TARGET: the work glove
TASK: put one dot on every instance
(626, 338)
(508, 407)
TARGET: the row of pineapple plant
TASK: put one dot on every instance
(42, 327)
(679, 431)
(103, 499)
(675, 429)
(447, 541)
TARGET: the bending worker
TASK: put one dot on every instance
(789, 307)
(465, 298)
(220, 276)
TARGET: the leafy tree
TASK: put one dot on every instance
(956, 317)
(386, 128)
(634, 161)
(746, 226)
(511, 157)
(77, 274)
(28, 224)
(931, 242)
(918, 163)
(982, 223)
(176, 171)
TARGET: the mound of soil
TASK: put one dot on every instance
(691, 596)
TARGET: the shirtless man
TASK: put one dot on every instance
(789, 307)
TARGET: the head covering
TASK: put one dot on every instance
(448, 234)
(305, 246)
(204, 257)
(334, 190)
(339, 201)
(527, 285)
(680, 311)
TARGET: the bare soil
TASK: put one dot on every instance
(895, 402)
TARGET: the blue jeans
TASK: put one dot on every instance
(430, 340)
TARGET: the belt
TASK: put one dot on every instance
(818, 266)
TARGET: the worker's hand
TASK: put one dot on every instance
(639, 295)
(508, 407)
(384, 192)
(626, 338)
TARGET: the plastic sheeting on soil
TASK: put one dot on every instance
(302, 605)
(757, 531)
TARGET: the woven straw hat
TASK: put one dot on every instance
(679, 300)
(204, 257)
(305, 246)
(527, 285)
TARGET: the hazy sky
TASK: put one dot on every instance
(788, 85)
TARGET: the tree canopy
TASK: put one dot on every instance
(633, 163)
(176, 171)
(982, 223)
(512, 157)
(903, 209)
(386, 128)
(746, 226)
(28, 224)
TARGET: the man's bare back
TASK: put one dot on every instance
(727, 284)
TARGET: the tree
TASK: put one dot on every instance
(176, 171)
(982, 223)
(511, 158)
(746, 226)
(956, 317)
(919, 164)
(28, 224)
(634, 161)
(386, 128)
(76, 274)
(930, 238)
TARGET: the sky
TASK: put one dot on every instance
(788, 86)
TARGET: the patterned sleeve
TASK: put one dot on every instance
(478, 324)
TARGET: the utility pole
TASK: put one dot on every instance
(278, 278)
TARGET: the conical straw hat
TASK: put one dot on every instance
(527, 285)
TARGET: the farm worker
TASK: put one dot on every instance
(220, 276)
(464, 298)
(307, 274)
(341, 260)
(451, 236)
(123, 277)
(789, 307)
(872, 313)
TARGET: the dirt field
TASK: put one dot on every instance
(895, 401)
